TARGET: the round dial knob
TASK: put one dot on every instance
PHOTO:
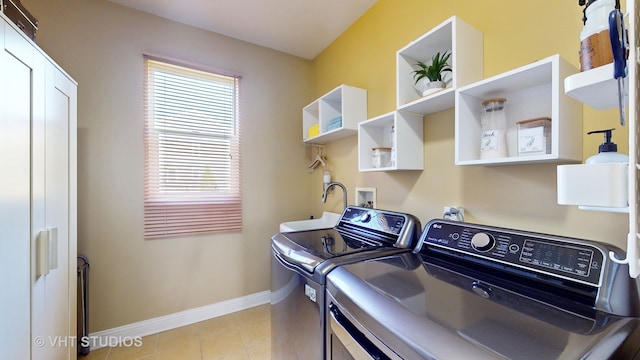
(365, 217)
(482, 241)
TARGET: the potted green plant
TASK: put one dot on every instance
(428, 78)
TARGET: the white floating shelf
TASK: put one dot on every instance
(532, 91)
(466, 47)
(596, 87)
(407, 137)
(346, 103)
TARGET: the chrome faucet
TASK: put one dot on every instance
(329, 187)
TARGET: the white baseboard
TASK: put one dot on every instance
(187, 317)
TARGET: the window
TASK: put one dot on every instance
(192, 155)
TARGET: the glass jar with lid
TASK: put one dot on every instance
(493, 142)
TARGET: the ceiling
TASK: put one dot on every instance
(298, 27)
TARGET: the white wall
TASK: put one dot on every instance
(101, 45)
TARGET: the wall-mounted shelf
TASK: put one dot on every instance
(407, 135)
(532, 91)
(466, 47)
(596, 87)
(598, 186)
(334, 115)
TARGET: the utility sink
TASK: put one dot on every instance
(328, 220)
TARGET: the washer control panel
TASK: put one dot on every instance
(549, 254)
(374, 219)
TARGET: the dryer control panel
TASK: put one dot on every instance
(557, 256)
(374, 219)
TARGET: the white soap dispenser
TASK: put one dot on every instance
(607, 151)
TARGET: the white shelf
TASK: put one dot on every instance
(596, 87)
(408, 132)
(534, 90)
(598, 185)
(466, 47)
(347, 102)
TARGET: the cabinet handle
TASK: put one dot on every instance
(42, 253)
(46, 251)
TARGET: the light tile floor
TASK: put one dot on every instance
(245, 335)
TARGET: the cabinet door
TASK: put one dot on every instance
(54, 300)
(16, 90)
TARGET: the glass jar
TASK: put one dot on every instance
(381, 157)
(493, 142)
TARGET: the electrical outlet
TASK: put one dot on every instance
(453, 213)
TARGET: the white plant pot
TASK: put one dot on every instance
(430, 87)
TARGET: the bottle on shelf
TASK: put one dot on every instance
(595, 44)
(607, 151)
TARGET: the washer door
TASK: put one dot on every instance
(346, 339)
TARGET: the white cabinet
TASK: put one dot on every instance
(334, 115)
(466, 47)
(401, 133)
(16, 89)
(38, 210)
(532, 91)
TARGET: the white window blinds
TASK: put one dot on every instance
(192, 151)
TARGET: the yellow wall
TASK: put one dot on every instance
(515, 33)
